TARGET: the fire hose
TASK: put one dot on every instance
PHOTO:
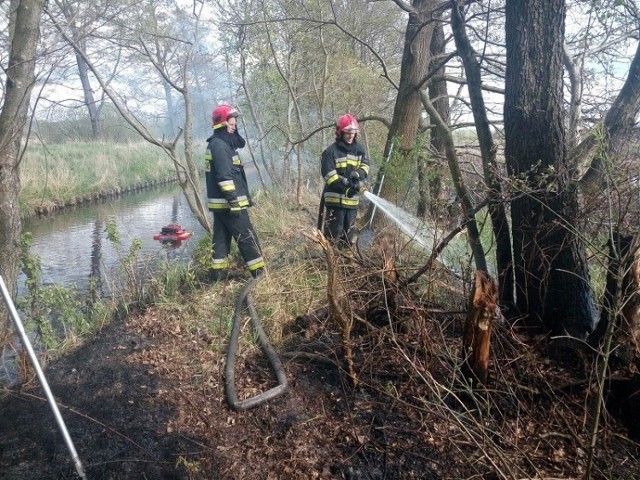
(230, 368)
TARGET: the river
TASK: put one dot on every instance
(73, 245)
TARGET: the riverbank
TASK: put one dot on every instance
(74, 173)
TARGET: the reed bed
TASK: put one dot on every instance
(54, 176)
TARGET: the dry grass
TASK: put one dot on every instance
(58, 175)
(296, 283)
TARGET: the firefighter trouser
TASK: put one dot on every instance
(226, 227)
(339, 225)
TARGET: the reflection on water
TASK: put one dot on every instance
(73, 244)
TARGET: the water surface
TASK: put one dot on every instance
(73, 244)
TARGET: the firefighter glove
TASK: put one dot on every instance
(351, 192)
(344, 184)
(354, 176)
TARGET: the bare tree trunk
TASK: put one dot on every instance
(262, 138)
(24, 30)
(89, 100)
(294, 106)
(93, 109)
(168, 97)
(489, 164)
(552, 279)
(188, 173)
(416, 57)
(429, 176)
(620, 119)
(461, 190)
(575, 90)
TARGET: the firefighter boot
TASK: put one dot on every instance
(257, 272)
(218, 275)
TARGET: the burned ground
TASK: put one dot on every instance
(145, 399)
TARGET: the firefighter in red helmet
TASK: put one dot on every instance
(228, 196)
(344, 167)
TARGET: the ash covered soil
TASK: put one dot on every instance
(145, 400)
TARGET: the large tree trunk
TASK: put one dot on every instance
(408, 108)
(496, 208)
(24, 29)
(429, 175)
(552, 280)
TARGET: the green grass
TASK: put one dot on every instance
(64, 174)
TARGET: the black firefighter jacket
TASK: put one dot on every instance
(226, 180)
(338, 161)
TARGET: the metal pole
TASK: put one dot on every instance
(41, 377)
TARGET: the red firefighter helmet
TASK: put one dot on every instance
(222, 113)
(347, 123)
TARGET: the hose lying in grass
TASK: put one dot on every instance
(267, 348)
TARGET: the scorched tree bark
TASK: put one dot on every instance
(552, 280)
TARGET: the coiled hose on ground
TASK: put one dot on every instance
(267, 348)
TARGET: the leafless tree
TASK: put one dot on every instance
(24, 32)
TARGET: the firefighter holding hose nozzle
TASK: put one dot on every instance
(344, 167)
